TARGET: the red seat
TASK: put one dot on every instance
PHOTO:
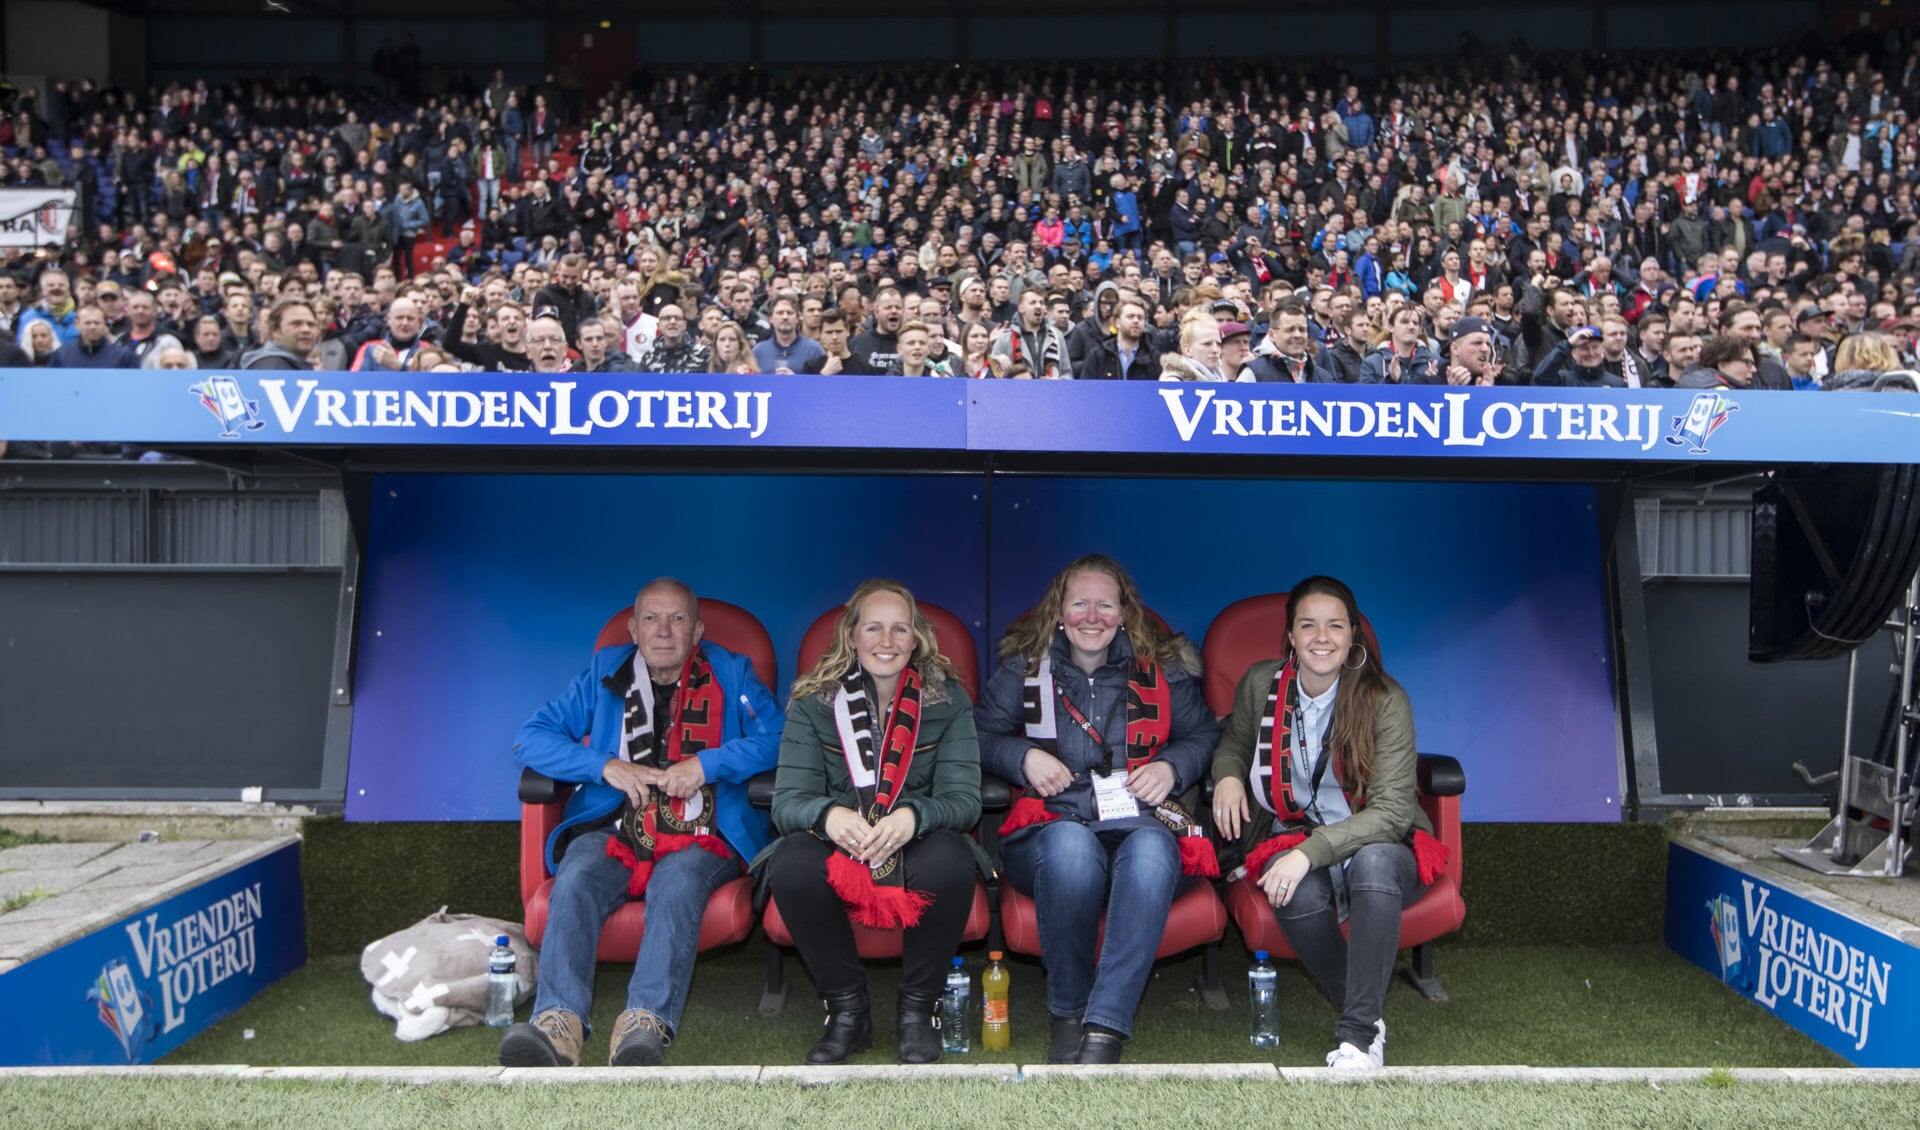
(729, 917)
(1253, 629)
(956, 643)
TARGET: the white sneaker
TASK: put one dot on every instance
(1346, 1057)
(1378, 1048)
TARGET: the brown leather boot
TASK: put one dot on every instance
(551, 1040)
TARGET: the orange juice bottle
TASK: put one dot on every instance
(996, 1032)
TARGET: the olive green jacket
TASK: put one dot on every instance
(1392, 807)
(943, 782)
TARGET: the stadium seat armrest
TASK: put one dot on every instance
(1441, 775)
(538, 788)
(760, 790)
(996, 795)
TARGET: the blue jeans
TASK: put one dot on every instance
(1381, 882)
(588, 888)
(1074, 873)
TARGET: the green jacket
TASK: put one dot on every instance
(943, 783)
(1393, 805)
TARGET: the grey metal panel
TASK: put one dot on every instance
(1685, 538)
(80, 528)
(241, 529)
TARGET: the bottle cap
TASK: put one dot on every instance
(958, 962)
(994, 955)
(1259, 955)
(501, 940)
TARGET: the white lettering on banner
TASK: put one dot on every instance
(1451, 421)
(1832, 981)
(197, 951)
(553, 409)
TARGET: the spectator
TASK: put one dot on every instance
(92, 347)
(292, 333)
(1199, 356)
(1287, 354)
(787, 350)
(56, 306)
(674, 350)
(1404, 358)
(143, 334)
(1578, 362)
(1726, 361)
(1031, 341)
(1129, 354)
(731, 352)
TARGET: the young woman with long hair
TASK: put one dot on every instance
(879, 781)
(1316, 776)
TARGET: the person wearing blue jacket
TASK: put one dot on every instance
(1126, 214)
(618, 731)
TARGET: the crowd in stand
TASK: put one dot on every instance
(1726, 220)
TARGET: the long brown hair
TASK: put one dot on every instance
(1031, 636)
(936, 670)
(1360, 690)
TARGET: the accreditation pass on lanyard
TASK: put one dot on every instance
(1111, 798)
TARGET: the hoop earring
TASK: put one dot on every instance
(1363, 659)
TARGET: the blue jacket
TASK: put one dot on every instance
(109, 354)
(408, 217)
(550, 743)
(1000, 717)
(1423, 368)
(1126, 213)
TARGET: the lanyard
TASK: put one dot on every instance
(1080, 720)
(1311, 808)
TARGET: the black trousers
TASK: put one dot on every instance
(939, 863)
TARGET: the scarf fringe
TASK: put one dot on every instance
(870, 904)
(642, 869)
(1270, 849)
(1197, 857)
(1429, 857)
(1429, 854)
(1026, 812)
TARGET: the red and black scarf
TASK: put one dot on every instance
(695, 723)
(1276, 734)
(1149, 727)
(877, 895)
(1049, 351)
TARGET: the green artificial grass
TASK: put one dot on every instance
(1629, 1006)
(90, 1103)
(1526, 884)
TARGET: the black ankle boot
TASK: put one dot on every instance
(1098, 1045)
(849, 1029)
(919, 1039)
(1063, 1038)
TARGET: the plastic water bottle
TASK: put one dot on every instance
(955, 1004)
(1266, 1005)
(996, 1029)
(502, 984)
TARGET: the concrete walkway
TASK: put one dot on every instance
(1037, 1074)
(69, 890)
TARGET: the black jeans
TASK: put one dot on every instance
(1381, 882)
(939, 863)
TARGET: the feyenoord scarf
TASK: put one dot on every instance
(1149, 726)
(695, 723)
(877, 895)
(1049, 351)
(1277, 722)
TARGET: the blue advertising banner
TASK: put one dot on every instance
(1854, 988)
(632, 409)
(1438, 421)
(481, 409)
(136, 990)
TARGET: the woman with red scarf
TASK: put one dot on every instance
(1316, 776)
(879, 780)
(1098, 714)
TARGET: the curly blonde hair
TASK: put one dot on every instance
(1031, 636)
(937, 672)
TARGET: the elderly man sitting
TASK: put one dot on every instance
(674, 727)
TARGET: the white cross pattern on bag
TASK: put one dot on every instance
(397, 964)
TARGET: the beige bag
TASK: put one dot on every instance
(432, 976)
